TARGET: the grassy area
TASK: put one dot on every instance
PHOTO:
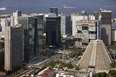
(68, 42)
(112, 73)
(102, 74)
(75, 54)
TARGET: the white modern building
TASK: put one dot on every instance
(4, 22)
(77, 17)
(83, 29)
(14, 18)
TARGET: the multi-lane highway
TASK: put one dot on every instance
(33, 67)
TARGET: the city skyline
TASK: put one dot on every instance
(57, 38)
(35, 6)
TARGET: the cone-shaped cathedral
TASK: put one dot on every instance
(96, 56)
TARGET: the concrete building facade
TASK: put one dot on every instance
(105, 16)
(83, 29)
(113, 35)
(13, 47)
(86, 31)
(77, 17)
(96, 57)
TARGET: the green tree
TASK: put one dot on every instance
(76, 68)
(103, 74)
(112, 72)
(113, 65)
(70, 66)
(61, 65)
(51, 64)
(2, 38)
(50, 68)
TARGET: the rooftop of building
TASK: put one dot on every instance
(86, 22)
(47, 73)
(53, 17)
(75, 14)
(32, 16)
(106, 11)
(16, 26)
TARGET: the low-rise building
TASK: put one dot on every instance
(47, 73)
(71, 74)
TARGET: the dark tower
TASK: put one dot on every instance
(105, 17)
(53, 34)
(54, 10)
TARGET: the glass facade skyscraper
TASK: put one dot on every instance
(32, 37)
(53, 33)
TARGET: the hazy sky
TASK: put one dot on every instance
(31, 6)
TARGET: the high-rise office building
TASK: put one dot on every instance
(95, 14)
(105, 16)
(32, 37)
(1, 56)
(114, 30)
(13, 47)
(53, 34)
(14, 18)
(86, 31)
(4, 22)
(77, 17)
(83, 29)
(65, 25)
(54, 10)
